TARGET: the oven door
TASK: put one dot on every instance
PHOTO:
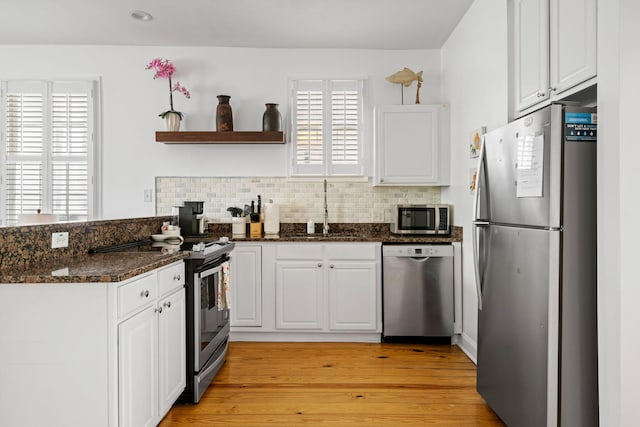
(211, 314)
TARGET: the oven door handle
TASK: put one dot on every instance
(197, 309)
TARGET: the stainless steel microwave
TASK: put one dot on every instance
(422, 219)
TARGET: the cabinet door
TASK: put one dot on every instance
(353, 296)
(409, 148)
(171, 349)
(138, 370)
(299, 289)
(573, 42)
(530, 52)
(246, 286)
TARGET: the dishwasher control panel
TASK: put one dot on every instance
(417, 250)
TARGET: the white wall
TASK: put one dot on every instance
(474, 69)
(618, 206)
(132, 100)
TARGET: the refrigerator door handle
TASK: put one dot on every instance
(479, 182)
(475, 226)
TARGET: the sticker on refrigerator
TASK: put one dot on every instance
(530, 166)
(580, 126)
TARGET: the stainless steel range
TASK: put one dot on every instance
(207, 272)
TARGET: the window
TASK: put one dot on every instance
(47, 142)
(327, 127)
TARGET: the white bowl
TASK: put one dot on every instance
(174, 232)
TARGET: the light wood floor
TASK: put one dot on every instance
(340, 384)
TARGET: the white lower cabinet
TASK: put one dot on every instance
(246, 286)
(152, 350)
(93, 354)
(328, 289)
(138, 369)
(172, 344)
(353, 295)
(299, 295)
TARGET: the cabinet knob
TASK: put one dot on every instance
(176, 277)
(553, 89)
(158, 310)
(540, 95)
(331, 266)
(168, 304)
(145, 294)
(319, 264)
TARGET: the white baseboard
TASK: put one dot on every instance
(260, 336)
(468, 346)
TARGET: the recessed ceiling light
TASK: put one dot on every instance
(141, 15)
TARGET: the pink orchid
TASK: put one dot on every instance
(164, 70)
(177, 87)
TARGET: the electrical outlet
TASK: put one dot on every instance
(60, 240)
(148, 195)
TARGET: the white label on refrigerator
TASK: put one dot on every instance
(530, 166)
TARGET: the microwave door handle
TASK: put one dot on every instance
(436, 212)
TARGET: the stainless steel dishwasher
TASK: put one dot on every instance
(417, 291)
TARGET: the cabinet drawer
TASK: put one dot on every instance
(136, 294)
(170, 278)
(299, 251)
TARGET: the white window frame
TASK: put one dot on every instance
(93, 156)
(327, 168)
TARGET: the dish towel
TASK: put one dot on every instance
(224, 292)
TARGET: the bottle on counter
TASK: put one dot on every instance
(311, 227)
(271, 214)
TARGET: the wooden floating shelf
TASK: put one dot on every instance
(242, 137)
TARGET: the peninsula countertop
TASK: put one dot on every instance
(92, 268)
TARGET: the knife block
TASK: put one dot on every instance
(255, 230)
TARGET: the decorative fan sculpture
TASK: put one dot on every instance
(405, 77)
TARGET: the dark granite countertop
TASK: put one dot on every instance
(119, 266)
(92, 268)
(344, 233)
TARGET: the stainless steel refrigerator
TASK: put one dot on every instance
(534, 243)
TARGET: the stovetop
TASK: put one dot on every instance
(196, 247)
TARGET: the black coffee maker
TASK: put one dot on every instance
(191, 219)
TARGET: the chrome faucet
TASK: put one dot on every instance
(325, 224)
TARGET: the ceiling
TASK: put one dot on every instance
(363, 24)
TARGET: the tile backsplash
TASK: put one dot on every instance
(299, 199)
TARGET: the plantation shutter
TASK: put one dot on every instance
(70, 150)
(327, 127)
(308, 127)
(47, 149)
(346, 112)
(24, 148)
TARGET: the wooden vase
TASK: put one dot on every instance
(224, 115)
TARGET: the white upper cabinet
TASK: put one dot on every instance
(553, 49)
(411, 145)
(531, 52)
(573, 42)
